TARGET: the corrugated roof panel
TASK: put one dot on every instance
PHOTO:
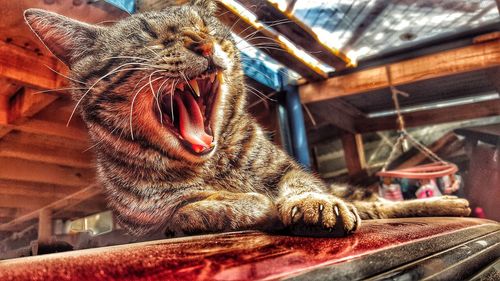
(366, 27)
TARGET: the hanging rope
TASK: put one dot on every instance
(404, 136)
(395, 92)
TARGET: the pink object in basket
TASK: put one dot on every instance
(392, 192)
(427, 190)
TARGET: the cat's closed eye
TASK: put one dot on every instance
(168, 42)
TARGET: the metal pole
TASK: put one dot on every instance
(297, 126)
(284, 126)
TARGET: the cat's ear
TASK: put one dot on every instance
(207, 5)
(67, 39)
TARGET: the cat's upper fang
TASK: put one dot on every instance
(194, 86)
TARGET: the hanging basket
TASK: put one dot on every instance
(429, 171)
(422, 181)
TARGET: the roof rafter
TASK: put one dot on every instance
(296, 31)
(257, 35)
(446, 63)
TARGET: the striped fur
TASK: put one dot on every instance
(152, 182)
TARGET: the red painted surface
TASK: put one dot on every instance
(230, 256)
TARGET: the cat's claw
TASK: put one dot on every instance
(317, 214)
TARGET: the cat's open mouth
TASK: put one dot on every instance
(186, 109)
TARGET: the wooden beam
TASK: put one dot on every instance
(337, 112)
(25, 67)
(12, 212)
(34, 203)
(45, 225)
(17, 145)
(4, 112)
(354, 154)
(258, 36)
(4, 131)
(47, 141)
(52, 122)
(432, 116)
(8, 88)
(70, 200)
(451, 62)
(27, 103)
(24, 170)
(16, 109)
(43, 127)
(297, 32)
(35, 189)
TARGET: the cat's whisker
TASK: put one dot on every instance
(258, 91)
(154, 94)
(155, 53)
(231, 29)
(248, 36)
(269, 41)
(283, 72)
(270, 79)
(58, 90)
(252, 35)
(65, 76)
(271, 48)
(90, 88)
(125, 57)
(187, 82)
(140, 80)
(260, 101)
(132, 105)
(99, 142)
(259, 94)
(273, 23)
(115, 70)
(157, 98)
(155, 66)
(172, 100)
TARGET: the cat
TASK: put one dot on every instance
(162, 94)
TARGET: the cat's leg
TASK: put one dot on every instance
(218, 211)
(430, 207)
(306, 209)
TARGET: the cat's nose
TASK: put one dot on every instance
(204, 48)
(199, 43)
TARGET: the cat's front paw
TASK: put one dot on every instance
(318, 214)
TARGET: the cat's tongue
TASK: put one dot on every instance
(191, 125)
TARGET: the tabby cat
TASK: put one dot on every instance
(163, 98)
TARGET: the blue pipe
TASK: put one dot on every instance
(297, 126)
(126, 5)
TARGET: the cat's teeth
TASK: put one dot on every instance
(212, 77)
(180, 86)
(194, 86)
